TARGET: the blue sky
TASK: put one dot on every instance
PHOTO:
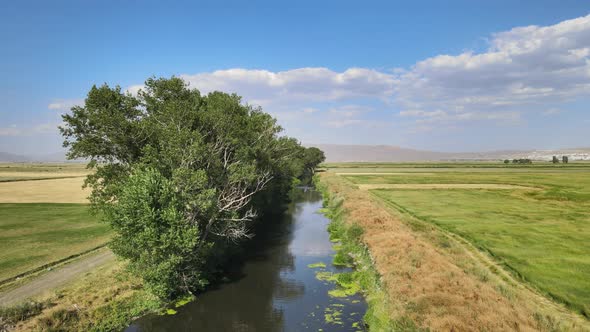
(452, 75)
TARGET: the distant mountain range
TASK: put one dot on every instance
(376, 153)
(389, 153)
(11, 157)
(49, 157)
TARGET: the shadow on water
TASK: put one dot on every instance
(273, 289)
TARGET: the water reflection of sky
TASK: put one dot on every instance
(310, 237)
(308, 300)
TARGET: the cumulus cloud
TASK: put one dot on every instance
(64, 105)
(521, 71)
(294, 95)
(134, 89)
(523, 68)
(350, 115)
(303, 84)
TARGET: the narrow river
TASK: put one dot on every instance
(275, 289)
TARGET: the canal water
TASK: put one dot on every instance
(275, 289)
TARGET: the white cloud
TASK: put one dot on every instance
(349, 111)
(304, 84)
(506, 117)
(43, 128)
(522, 69)
(9, 131)
(350, 115)
(64, 104)
(420, 113)
(339, 123)
(294, 95)
(134, 89)
(552, 111)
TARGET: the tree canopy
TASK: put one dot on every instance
(312, 157)
(180, 175)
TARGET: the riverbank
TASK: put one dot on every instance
(352, 252)
(285, 282)
(434, 280)
(279, 275)
(104, 299)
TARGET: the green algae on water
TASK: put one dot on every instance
(342, 292)
(317, 265)
(325, 276)
(183, 301)
(333, 316)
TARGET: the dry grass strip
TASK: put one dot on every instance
(438, 286)
(67, 190)
(444, 186)
(33, 175)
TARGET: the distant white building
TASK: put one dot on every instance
(548, 155)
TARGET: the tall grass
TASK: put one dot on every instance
(352, 252)
(542, 235)
(10, 316)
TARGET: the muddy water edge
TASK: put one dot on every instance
(287, 283)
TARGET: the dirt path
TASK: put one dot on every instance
(55, 278)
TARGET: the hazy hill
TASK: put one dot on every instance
(389, 153)
(374, 153)
(11, 157)
(56, 157)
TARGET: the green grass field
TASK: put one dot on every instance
(32, 235)
(455, 165)
(542, 235)
(35, 234)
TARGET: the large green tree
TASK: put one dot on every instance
(179, 175)
(312, 158)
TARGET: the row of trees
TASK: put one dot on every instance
(555, 160)
(181, 176)
(522, 161)
(564, 159)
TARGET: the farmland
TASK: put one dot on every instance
(27, 171)
(62, 190)
(534, 220)
(32, 234)
(44, 216)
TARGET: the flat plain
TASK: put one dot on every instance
(32, 171)
(44, 216)
(60, 190)
(532, 219)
